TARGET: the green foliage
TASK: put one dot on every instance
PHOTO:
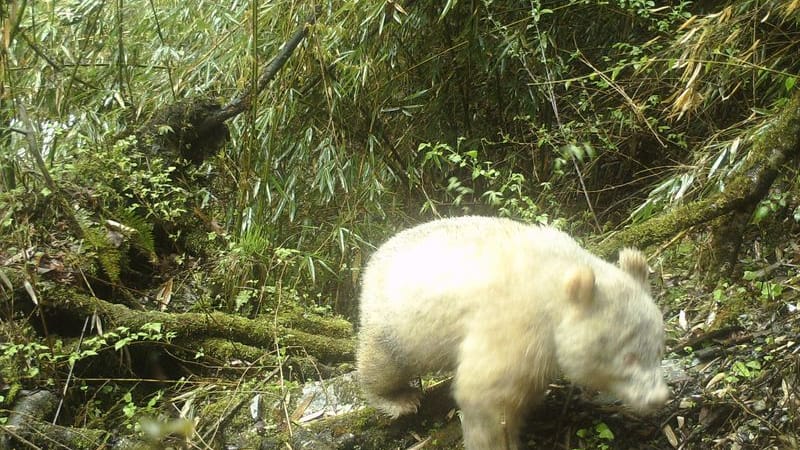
(482, 183)
(132, 411)
(545, 106)
(37, 364)
(31, 353)
(128, 185)
(747, 370)
(770, 205)
(251, 272)
(768, 290)
(598, 437)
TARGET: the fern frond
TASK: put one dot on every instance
(108, 256)
(142, 238)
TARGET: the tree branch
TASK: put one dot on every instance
(245, 99)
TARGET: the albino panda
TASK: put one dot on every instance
(507, 307)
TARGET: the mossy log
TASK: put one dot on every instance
(292, 332)
(773, 147)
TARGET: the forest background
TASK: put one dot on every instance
(188, 193)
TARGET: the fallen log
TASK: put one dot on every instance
(327, 339)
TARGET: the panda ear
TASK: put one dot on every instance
(634, 262)
(580, 286)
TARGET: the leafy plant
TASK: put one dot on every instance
(483, 182)
(134, 411)
(31, 361)
(747, 370)
(774, 202)
(598, 437)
